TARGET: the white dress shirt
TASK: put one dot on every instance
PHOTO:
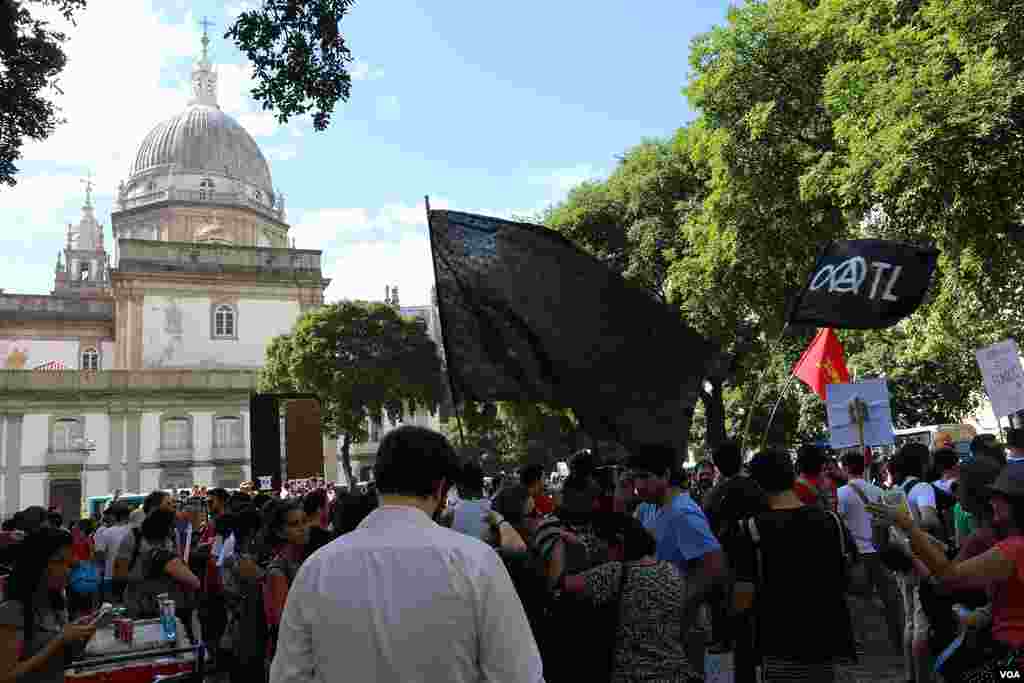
(404, 600)
(857, 518)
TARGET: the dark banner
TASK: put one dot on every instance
(528, 316)
(865, 284)
(265, 439)
(304, 446)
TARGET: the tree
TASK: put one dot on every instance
(362, 360)
(31, 59)
(299, 57)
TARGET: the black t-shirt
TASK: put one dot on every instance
(318, 538)
(734, 499)
(800, 602)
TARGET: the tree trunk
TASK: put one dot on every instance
(714, 415)
(346, 461)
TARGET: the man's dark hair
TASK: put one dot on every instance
(773, 471)
(219, 494)
(728, 458)
(980, 443)
(120, 512)
(56, 519)
(314, 501)
(657, 459)
(413, 461)
(153, 501)
(471, 479)
(853, 461)
(31, 518)
(909, 460)
(158, 526)
(946, 459)
(238, 501)
(531, 474)
(810, 460)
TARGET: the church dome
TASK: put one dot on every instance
(203, 138)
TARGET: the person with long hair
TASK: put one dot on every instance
(286, 532)
(160, 570)
(36, 638)
(1002, 566)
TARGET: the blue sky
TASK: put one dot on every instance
(485, 107)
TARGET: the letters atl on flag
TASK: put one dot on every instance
(528, 316)
(865, 284)
(823, 363)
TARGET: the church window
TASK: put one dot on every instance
(66, 434)
(227, 432)
(83, 272)
(224, 322)
(176, 434)
(259, 196)
(206, 188)
(150, 186)
(90, 359)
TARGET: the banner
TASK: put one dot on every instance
(865, 284)
(823, 363)
(526, 315)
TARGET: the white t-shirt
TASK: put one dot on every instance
(110, 541)
(921, 495)
(857, 518)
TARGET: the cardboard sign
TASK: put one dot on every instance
(1004, 377)
(878, 425)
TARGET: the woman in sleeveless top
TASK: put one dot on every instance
(36, 639)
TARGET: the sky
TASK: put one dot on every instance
(486, 107)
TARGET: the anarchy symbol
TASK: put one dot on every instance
(845, 277)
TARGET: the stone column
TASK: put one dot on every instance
(330, 459)
(12, 447)
(116, 477)
(133, 428)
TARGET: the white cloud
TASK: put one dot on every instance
(283, 152)
(388, 108)
(366, 250)
(559, 181)
(235, 8)
(364, 71)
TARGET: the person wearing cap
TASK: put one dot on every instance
(1002, 566)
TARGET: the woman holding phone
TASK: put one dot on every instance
(36, 638)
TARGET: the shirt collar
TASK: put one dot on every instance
(388, 515)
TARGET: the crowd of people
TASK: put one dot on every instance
(629, 573)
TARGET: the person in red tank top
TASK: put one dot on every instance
(809, 486)
(532, 477)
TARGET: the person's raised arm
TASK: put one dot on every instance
(11, 670)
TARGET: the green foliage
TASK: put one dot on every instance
(300, 59)
(516, 432)
(362, 360)
(31, 59)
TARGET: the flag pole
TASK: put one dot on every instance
(760, 384)
(444, 337)
(771, 417)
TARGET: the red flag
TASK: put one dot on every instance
(822, 363)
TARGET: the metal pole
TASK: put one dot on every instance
(760, 385)
(444, 337)
(771, 417)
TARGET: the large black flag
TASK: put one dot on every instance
(528, 316)
(865, 284)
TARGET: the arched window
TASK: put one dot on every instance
(66, 435)
(206, 188)
(151, 186)
(176, 434)
(227, 432)
(90, 359)
(259, 196)
(224, 321)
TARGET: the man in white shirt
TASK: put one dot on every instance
(402, 599)
(907, 467)
(108, 543)
(852, 498)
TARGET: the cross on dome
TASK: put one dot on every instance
(88, 188)
(204, 80)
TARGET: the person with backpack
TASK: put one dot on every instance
(155, 568)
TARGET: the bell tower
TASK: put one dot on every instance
(85, 271)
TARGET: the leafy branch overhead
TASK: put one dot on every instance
(299, 57)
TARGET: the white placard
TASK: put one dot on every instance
(1004, 377)
(878, 426)
(266, 483)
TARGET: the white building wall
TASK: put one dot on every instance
(33, 489)
(96, 484)
(202, 426)
(97, 429)
(149, 438)
(149, 479)
(25, 354)
(107, 355)
(35, 435)
(176, 332)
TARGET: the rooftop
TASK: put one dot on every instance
(45, 307)
(146, 256)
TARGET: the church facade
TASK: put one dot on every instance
(135, 372)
